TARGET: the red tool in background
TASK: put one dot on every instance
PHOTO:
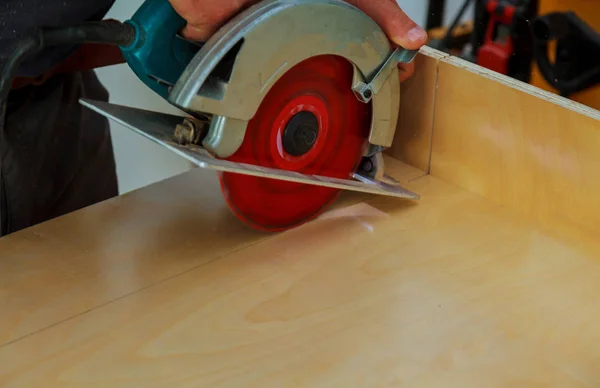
(500, 38)
(507, 44)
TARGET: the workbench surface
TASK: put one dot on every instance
(164, 288)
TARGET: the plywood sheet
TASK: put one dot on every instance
(448, 292)
(163, 287)
(519, 146)
(74, 264)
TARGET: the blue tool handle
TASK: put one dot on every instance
(159, 55)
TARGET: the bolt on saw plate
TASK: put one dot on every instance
(290, 101)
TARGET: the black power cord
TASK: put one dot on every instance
(106, 32)
(577, 52)
(103, 32)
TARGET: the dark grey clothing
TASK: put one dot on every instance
(56, 155)
(19, 18)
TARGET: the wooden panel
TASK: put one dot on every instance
(526, 149)
(163, 287)
(447, 292)
(57, 270)
(412, 143)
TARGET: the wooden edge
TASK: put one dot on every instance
(433, 53)
(412, 141)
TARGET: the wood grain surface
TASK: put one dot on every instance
(449, 291)
(490, 280)
(72, 264)
(528, 150)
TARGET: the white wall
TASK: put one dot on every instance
(141, 162)
(417, 10)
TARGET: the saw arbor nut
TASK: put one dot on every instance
(300, 133)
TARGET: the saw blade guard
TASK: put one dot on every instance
(234, 70)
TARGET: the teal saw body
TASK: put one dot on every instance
(159, 55)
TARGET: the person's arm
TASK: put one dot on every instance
(204, 17)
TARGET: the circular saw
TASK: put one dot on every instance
(291, 102)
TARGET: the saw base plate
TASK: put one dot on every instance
(159, 128)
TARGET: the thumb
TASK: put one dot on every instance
(394, 22)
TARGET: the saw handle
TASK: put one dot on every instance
(159, 54)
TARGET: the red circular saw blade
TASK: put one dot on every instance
(320, 85)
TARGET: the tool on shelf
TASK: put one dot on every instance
(575, 52)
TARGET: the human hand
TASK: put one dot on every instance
(204, 17)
